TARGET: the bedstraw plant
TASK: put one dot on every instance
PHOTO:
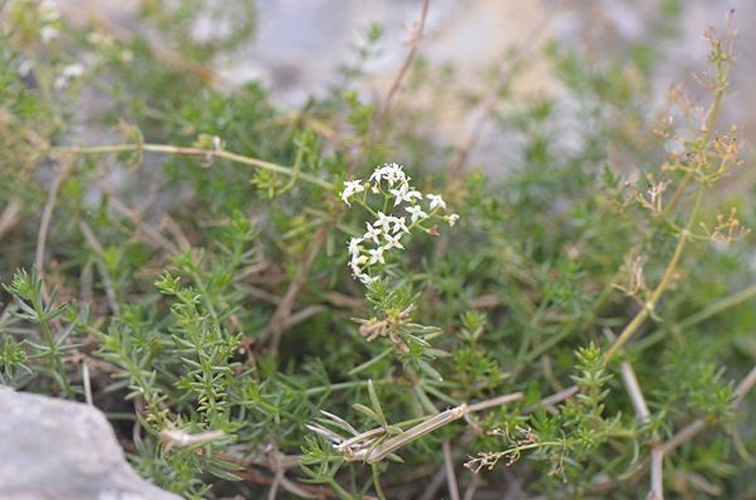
(327, 303)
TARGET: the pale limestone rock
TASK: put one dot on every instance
(63, 450)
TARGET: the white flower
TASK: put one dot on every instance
(405, 193)
(48, 33)
(436, 201)
(48, 10)
(384, 221)
(366, 278)
(399, 225)
(376, 176)
(416, 213)
(355, 266)
(72, 70)
(376, 255)
(393, 241)
(372, 233)
(351, 188)
(354, 246)
(68, 73)
(386, 231)
(359, 273)
(391, 173)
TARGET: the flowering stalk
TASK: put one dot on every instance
(388, 230)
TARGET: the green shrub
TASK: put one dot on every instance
(263, 302)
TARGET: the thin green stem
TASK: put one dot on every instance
(714, 309)
(723, 65)
(666, 279)
(208, 153)
(377, 482)
(205, 296)
(720, 306)
(54, 353)
(313, 391)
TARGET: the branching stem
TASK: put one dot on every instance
(666, 280)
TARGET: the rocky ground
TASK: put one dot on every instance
(55, 449)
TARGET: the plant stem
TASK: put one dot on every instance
(653, 301)
(377, 482)
(208, 153)
(723, 66)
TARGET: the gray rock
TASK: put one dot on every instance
(56, 449)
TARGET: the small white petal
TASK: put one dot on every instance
(72, 70)
(400, 225)
(383, 221)
(376, 255)
(372, 233)
(351, 188)
(436, 201)
(393, 241)
(354, 246)
(416, 213)
(48, 33)
(405, 193)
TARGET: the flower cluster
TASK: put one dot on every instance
(412, 208)
(49, 16)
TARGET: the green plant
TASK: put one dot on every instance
(269, 304)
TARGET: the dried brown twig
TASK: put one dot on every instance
(660, 450)
(10, 217)
(282, 317)
(44, 228)
(487, 104)
(414, 43)
(697, 426)
(451, 477)
(374, 445)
